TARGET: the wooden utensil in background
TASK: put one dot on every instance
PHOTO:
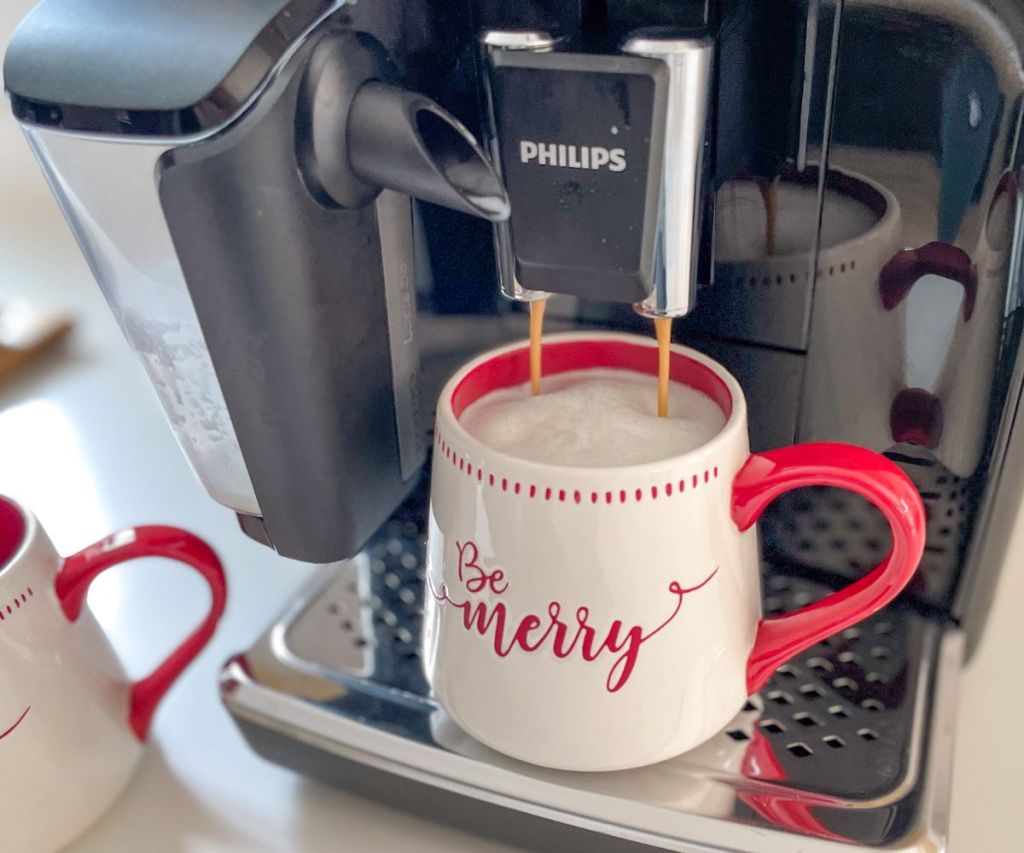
(27, 331)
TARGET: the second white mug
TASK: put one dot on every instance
(72, 726)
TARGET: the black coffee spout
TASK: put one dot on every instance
(406, 142)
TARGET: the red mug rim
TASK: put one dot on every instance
(13, 527)
(511, 367)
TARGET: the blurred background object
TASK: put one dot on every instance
(27, 332)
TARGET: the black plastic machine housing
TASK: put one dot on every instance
(296, 325)
(588, 192)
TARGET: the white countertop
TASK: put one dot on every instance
(84, 444)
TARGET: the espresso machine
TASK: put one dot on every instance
(305, 214)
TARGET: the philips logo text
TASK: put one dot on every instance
(572, 156)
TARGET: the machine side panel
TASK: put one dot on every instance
(292, 301)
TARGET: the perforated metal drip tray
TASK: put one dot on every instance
(848, 743)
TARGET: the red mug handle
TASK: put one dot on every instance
(765, 476)
(78, 572)
(906, 268)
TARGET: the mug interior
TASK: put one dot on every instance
(12, 532)
(512, 367)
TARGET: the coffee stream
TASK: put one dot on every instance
(662, 329)
(536, 331)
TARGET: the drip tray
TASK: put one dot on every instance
(850, 742)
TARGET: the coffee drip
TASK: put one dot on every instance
(663, 333)
(536, 334)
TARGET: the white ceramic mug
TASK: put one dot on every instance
(71, 725)
(605, 618)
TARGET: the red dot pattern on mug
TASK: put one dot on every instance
(11, 606)
(557, 494)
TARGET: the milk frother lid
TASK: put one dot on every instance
(148, 67)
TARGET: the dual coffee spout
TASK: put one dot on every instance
(595, 169)
(604, 158)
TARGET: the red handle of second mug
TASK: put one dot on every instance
(79, 571)
(765, 476)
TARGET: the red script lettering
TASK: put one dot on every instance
(533, 632)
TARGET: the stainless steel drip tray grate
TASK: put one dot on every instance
(845, 744)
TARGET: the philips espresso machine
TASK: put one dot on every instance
(306, 213)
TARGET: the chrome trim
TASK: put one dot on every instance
(533, 40)
(490, 41)
(683, 182)
(810, 51)
(997, 515)
(394, 220)
(932, 828)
